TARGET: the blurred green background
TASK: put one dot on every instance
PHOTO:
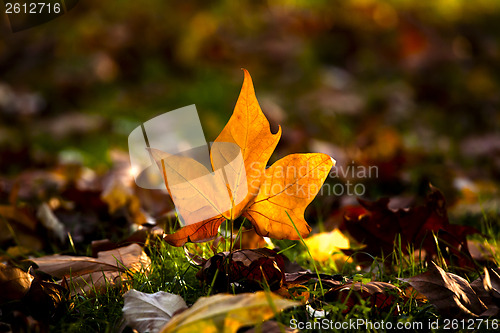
(409, 86)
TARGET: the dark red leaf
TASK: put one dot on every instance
(252, 269)
(377, 226)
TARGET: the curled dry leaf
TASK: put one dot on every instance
(381, 295)
(44, 299)
(491, 282)
(14, 283)
(487, 288)
(150, 312)
(252, 269)
(451, 294)
(305, 277)
(23, 294)
(287, 187)
(87, 274)
(227, 313)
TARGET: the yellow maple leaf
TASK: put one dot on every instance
(268, 198)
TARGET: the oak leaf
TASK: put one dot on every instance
(268, 198)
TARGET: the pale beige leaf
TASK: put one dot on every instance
(87, 274)
(150, 312)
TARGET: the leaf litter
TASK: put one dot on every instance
(250, 273)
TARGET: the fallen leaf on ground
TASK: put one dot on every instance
(287, 187)
(487, 288)
(377, 226)
(380, 295)
(44, 299)
(306, 276)
(150, 312)
(327, 245)
(88, 275)
(451, 294)
(491, 282)
(29, 295)
(14, 283)
(251, 269)
(228, 313)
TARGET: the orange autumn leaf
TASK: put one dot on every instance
(269, 198)
(270, 209)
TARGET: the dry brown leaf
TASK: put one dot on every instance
(451, 294)
(87, 274)
(377, 226)
(381, 295)
(251, 269)
(487, 288)
(227, 313)
(14, 283)
(44, 299)
(491, 282)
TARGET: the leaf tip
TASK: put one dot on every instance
(333, 161)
